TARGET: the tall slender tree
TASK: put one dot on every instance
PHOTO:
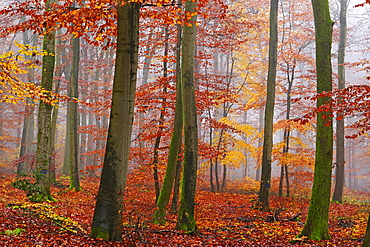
(27, 145)
(186, 214)
(316, 226)
(73, 116)
(339, 168)
(107, 220)
(175, 145)
(44, 116)
(264, 193)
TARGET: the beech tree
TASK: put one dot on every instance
(27, 145)
(186, 214)
(316, 226)
(264, 193)
(73, 116)
(44, 116)
(175, 145)
(107, 220)
(340, 153)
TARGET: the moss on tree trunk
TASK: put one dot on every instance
(186, 217)
(107, 220)
(43, 151)
(316, 226)
(175, 145)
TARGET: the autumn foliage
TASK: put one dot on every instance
(226, 218)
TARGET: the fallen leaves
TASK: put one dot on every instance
(223, 219)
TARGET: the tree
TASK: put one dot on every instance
(264, 193)
(107, 220)
(44, 116)
(316, 226)
(73, 116)
(175, 145)
(366, 242)
(339, 164)
(186, 214)
(27, 145)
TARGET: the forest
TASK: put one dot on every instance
(184, 123)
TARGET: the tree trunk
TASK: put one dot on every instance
(27, 137)
(339, 170)
(210, 158)
(264, 193)
(67, 74)
(175, 145)
(284, 167)
(27, 145)
(44, 115)
(316, 227)
(186, 216)
(53, 138)
(74, 182)
(107, 220)
(260, 144)
(366, 242)
(54, 116)
(176, 185)
(161, 119)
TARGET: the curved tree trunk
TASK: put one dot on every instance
(316, 226)
(264, 193)
(175, 145)
(107, 220)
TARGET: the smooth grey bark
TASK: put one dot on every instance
(54, 114)
(264, 193)
(53, 138)
(340, 152)
(27, 145)
(67, 75)
(74, 182)
(107, 220)
(260, 144)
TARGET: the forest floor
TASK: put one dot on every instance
(223, 219)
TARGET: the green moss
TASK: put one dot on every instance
(159, 216)
(100, 232)
(16, 231)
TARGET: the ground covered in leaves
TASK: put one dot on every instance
(224, 219)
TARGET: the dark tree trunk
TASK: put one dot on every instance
(264, 193)
(340, 153)
(107, 220)
(73, 117)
